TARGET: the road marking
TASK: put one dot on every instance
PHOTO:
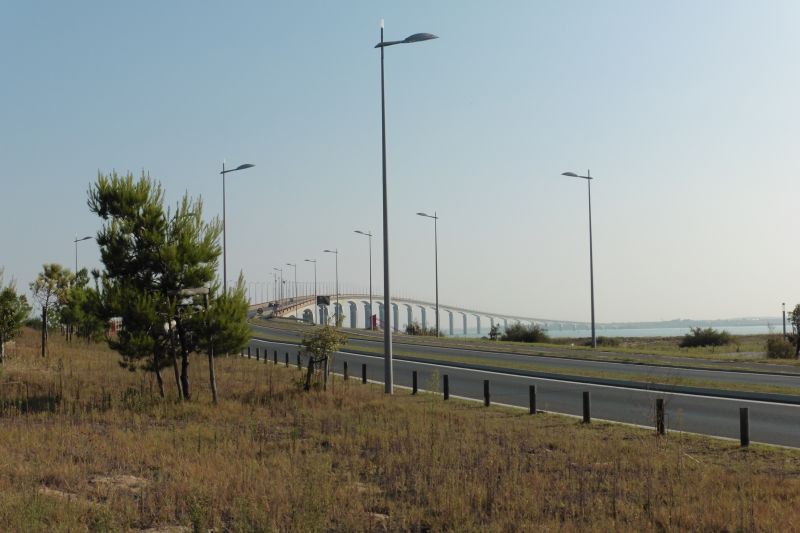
(559, 413)
(556, 380)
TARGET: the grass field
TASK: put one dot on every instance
(87, 445)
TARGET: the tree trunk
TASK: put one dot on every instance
(177, 376)
(211, 376)
(160, 383)
(325, 375)
(44, 331)
(184, 362)
(175, 362)
(310, 372)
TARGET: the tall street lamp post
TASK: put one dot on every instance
(588, 178)
(336, 312)
(316, 305)
(224, 234)
(369, 234)
(77, 240)
(436, 260)
(294, 266)
(281, 278)
(783, 305)
(387, 329)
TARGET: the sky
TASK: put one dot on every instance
(685, 112)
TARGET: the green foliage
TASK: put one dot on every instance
(80, 311)
(604, 341)
(14, 310)
(494, 332)
(49, 290)
(226, 328)
(320, 345)
(520, 333)
(779, 348)
(151, 256)
(415, 328)
(705, 337)
(794, 321)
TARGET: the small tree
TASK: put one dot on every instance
(494, 332)
(14, 310)
(321, 345)
(49, 290)
(794, 320)
(705, 337)
(518, 332)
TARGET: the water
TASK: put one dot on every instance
(639, 332)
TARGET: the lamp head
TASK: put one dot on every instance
(417, 37)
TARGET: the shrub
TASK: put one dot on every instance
(520, 333)
(705, 337)
(415, 329)
(779, 348)
(603, 341)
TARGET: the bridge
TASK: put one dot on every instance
(355, 309)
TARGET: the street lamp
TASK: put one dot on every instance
(387, 330)
(77, 240)
(436, 260)
(294, 265)
(224, 234)
(369, 234)
(336, 312)
(316, 305)
(783, 305)
(281, 285)
(588, 178)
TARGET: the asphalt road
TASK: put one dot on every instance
(770, 422)
(635, 371)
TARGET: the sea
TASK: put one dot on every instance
(640, 332)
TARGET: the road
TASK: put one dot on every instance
(770, 422)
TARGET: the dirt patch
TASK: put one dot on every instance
(122, 482)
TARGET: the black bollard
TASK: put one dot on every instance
(363, 373)
(345, 370)
(744, 426)
(532, 399)
(587, 408)
(446, 386)
(414, 382)
(486, 399)
(660, 426)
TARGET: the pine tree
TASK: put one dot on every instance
(14, 310)
(49, 290)
(153, 259)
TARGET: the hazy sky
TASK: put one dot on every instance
(686, 112)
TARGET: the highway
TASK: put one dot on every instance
(773, 422)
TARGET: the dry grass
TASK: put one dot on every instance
(87, 445)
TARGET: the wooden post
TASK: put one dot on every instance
(532, 399)
(660, 428)
(486, 399)
(364, 373)
(345, 371)
(248, 351)
(258, 357)
(275, 358)
(414, 382)
(446, 386)
(587, 408)
(744, 426)
(299, 362)
(286, 361)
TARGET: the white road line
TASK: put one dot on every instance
(604, 420)
(618, 387)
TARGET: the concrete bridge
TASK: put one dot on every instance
(355, 310)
